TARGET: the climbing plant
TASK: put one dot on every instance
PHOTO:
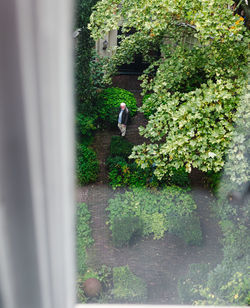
(196, 84)
(84, 89)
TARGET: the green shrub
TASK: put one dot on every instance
(90, 273)
(236, 240)
(227, 284)
(114, 162)
(156, 209)
(109, 101)
(196, 275)
(83, 235)
(120, 147)
(128, 288)
(87, 166)
(85, 140)
(234, 221)
(178, 177)
(80, 295)
(123, 172)
(125, 229)
(127, 174)
(104, 274)
(187, 228)
(85, 124)
(213, 180)
(229, 208)
(222, 273)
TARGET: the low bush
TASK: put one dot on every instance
(128, 174)
(178, 177)
(109, 101)
(90, 273)
(128, 288)
(120, 146)
(125, 172)
(80, 295)
(87, 166)
(236, 240)
(125, 230)
(187, 228)
(196, 275)
(104, 274)
(233, 211)
(83, 236)
(85, 140)
(213, 180)
(114, 162)
(228, 283)
(85, 124)
(231, 205)
(156, 209)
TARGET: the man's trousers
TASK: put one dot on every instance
(122, 128)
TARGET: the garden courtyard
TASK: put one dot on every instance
(160, 263)
(162, 213)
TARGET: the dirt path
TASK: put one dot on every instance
(159, 262)
(102, 138)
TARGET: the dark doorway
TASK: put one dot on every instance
(134, 68)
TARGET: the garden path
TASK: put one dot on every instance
(103, 137)
(159, 262)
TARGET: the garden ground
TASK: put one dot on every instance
(159, 262)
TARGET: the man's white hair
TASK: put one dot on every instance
(123, 104)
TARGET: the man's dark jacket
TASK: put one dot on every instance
(125, 116)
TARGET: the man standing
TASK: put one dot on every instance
(123, 119)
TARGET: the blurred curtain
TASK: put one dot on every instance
(36, 154)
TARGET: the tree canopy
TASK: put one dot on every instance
(195, 88)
